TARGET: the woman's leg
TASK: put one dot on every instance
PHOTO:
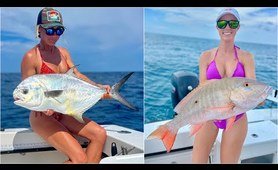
(58, 136)
(90, 130)
(232, 141)
(203, 142)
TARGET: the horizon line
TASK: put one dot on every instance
(210, 38)
(89, 71)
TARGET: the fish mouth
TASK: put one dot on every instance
(16, 98)
(268, 90)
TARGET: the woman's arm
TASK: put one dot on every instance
(203, 66)
(249, 68)
(249, 65)
(82, 76)
(28, 65)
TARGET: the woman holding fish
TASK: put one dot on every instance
(58, 129)
(227, 89)
(227, 60)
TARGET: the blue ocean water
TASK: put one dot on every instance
(104, 112)
(166, 54)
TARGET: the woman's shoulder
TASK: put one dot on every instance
(64, 51)
(207, 55)
(245, 55)
(31, 54)
(30, 58)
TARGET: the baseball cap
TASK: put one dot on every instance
(228, 11)
(49, 17)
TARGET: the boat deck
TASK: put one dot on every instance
(22, 145)
(261, 140)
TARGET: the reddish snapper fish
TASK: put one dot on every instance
(213, 100)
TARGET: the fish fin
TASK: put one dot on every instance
(237, 110)
(225, 108)
(70, 71)
(167, 137)
(230, 122)
(53, 93)
(78, 117)
(116, 95)
(194, 129)
(72, 112)
(44, 85)
(57, 100)
(181, 104)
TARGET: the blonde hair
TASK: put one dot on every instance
(37, 31)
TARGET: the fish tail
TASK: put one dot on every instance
(116, 95)
(166, 135)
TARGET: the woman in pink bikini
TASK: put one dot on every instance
(57, 129)
(226, 60)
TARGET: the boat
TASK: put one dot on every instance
(260, 145)
(23, 146)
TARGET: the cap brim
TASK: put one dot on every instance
(55, 24)
(225, 13)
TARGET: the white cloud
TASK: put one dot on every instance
(200, 22)
(17, 48)
(89, 31)
(111, 27)
(209, 14)
(194, 14)
(20, 21)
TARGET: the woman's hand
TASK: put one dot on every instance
(49, 112)
(52, 113)
(107, 88)
(261, 104)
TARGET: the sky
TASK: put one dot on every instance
(111, 39)
(99, 39)
(257, 25)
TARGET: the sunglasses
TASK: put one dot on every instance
(50, 31)
(221, 24)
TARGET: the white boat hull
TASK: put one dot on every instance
(23, 146)
(261, 140)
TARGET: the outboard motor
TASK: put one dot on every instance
(183, 82)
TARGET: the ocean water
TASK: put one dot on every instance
(166, 54)
(104, 112)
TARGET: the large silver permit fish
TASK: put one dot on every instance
(214, 100)
(64, 93)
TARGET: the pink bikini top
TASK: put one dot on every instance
(213, 73)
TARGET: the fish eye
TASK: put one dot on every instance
(25, 91)
(246, 84)
(196, 101)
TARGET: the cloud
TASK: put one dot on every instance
(13, 49)
(110, 27)
(265, 12)
(95, 31)
(11, 36)
(210, 14)
(200, 22)
(188, 14)
(19, 21)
